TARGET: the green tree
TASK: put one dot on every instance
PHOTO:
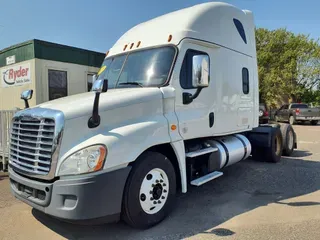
(288, 66)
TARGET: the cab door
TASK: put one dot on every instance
(196, 117)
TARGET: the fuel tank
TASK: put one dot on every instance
(231, 149)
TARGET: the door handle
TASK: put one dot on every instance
(211, 119)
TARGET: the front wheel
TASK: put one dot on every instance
(150, 191)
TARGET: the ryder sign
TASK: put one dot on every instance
(16, 75)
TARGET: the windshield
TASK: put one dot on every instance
(142, 68)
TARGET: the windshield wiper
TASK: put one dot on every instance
(131, 83)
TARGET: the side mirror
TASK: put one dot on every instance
(200, 76)
(98, 87)
(200, 71)
(94, 78)
(26, 95)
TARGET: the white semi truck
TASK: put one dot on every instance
(175, 102)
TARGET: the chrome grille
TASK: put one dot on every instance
(32, 142)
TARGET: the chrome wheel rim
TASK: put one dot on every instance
(260, 113)
(291, 120)
(154, 191)
(278, 145)
(290, 140)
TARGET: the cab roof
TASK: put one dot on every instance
(216, 22)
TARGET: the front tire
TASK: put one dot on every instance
(150, 191)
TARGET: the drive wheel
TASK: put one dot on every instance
(150, 191)
(274, 152)
(314, 122)
(287, 139)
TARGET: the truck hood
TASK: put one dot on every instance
(82, 104)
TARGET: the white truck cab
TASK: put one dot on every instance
(175, 101)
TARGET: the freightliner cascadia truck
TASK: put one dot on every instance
(175, 102)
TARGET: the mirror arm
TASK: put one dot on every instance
(94, 120)
(188, 97)
(26, 103)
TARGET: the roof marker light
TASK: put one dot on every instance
(131, 45)
(170, 38)
(138, 44)
(125, 47)
(107, 53)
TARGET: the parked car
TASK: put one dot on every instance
(298, 112)
(263, 114)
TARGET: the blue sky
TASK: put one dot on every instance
(97, 24)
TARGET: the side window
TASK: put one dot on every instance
(240, 29)
(58, 84)
(245, 80)
(186, 68)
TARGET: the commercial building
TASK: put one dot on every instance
(51, 70)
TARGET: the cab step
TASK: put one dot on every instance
(201, 152)
(206, 178)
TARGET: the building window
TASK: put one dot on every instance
(89, 81)
(186, 68)
(58, 84)
(245, 80)
(240, 29)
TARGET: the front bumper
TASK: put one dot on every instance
(89, 199)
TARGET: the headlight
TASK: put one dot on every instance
(86, 160)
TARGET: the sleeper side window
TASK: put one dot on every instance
(186, 68)
(240, 29)
(245, 80)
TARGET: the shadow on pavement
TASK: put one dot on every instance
(244, 187)
(300, 204)
(301, 153)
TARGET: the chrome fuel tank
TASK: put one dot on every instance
(231, 149)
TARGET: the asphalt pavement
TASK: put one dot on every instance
(252, 200)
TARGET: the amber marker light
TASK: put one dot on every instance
(103, 153)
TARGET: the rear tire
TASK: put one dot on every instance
(273, 153)
(150, 190)
(314, 122)
(288, 139)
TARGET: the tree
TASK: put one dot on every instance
(288, 66)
